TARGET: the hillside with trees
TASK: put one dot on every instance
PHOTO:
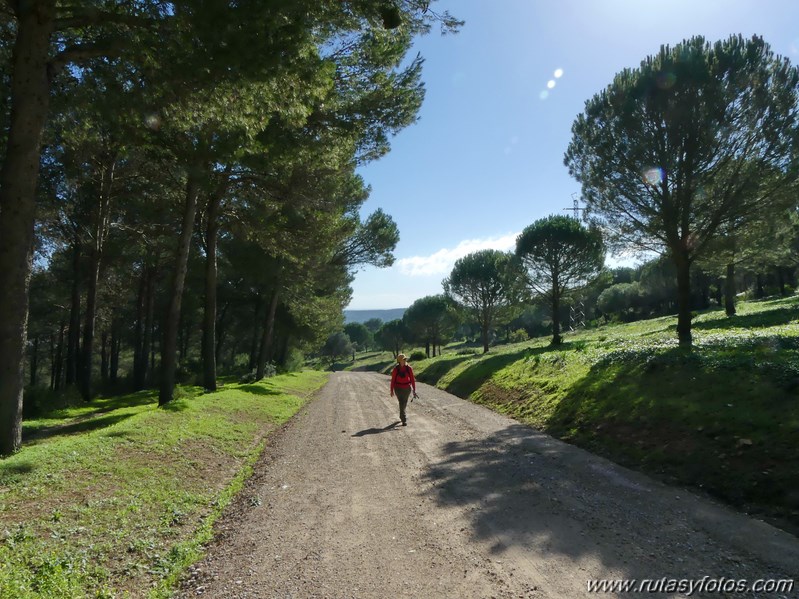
(179, 192)
(364, 316)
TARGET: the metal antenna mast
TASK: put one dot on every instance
(576, 311)
(575, 206)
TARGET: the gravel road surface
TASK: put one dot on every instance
(464, 503)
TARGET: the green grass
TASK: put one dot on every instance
(722, 418)
(115, 498)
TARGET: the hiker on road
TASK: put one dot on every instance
(402, 382)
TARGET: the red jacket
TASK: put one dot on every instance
(404, 379)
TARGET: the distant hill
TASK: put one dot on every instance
(364, 315)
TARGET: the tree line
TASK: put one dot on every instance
(524, 308)
(181, 174)
(489, 289)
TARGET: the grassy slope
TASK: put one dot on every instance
(723, 418)
(115, 498)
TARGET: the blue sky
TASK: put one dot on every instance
(486, 157)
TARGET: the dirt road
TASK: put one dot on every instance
(463, 503)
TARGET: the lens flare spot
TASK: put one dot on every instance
(543, 95)
(558, 73)
(665, 80)
(653, 176)
(152, 121)
(551, 83)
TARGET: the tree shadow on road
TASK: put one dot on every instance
(521, 490)
(375, 431)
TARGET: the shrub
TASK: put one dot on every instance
(518, 335)
(579, 345)
(417, 355)
(269, 370)
(295, 360)
(40, 400)
(241, 361)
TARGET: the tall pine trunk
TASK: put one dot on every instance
(172, 319)
(116, 340)
(781, 281)
(683, 264)
(729, 290)
(221, 332)
(209, 308)
(59, 357)
(29, 99)
(253, 362)
(34, 361)
(73, 337)
(87, 349)
(52, 361)
(151, 370)
(138, 333)
(557, 338)
(148, 351)
(144, 328)
(99, 233)
(184, 336)
(760, 291)
(265, 352)
(284, 349)
(104, 357)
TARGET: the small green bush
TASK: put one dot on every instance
(269, 370)
(518, 336)
(41, 400)
(418, 355)
(241, 361)
(295, 360)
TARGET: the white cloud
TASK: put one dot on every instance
(442, 261)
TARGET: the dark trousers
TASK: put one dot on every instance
(403, 393)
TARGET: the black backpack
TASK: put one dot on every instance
(405, 375)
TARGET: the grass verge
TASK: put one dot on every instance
(116, 498)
